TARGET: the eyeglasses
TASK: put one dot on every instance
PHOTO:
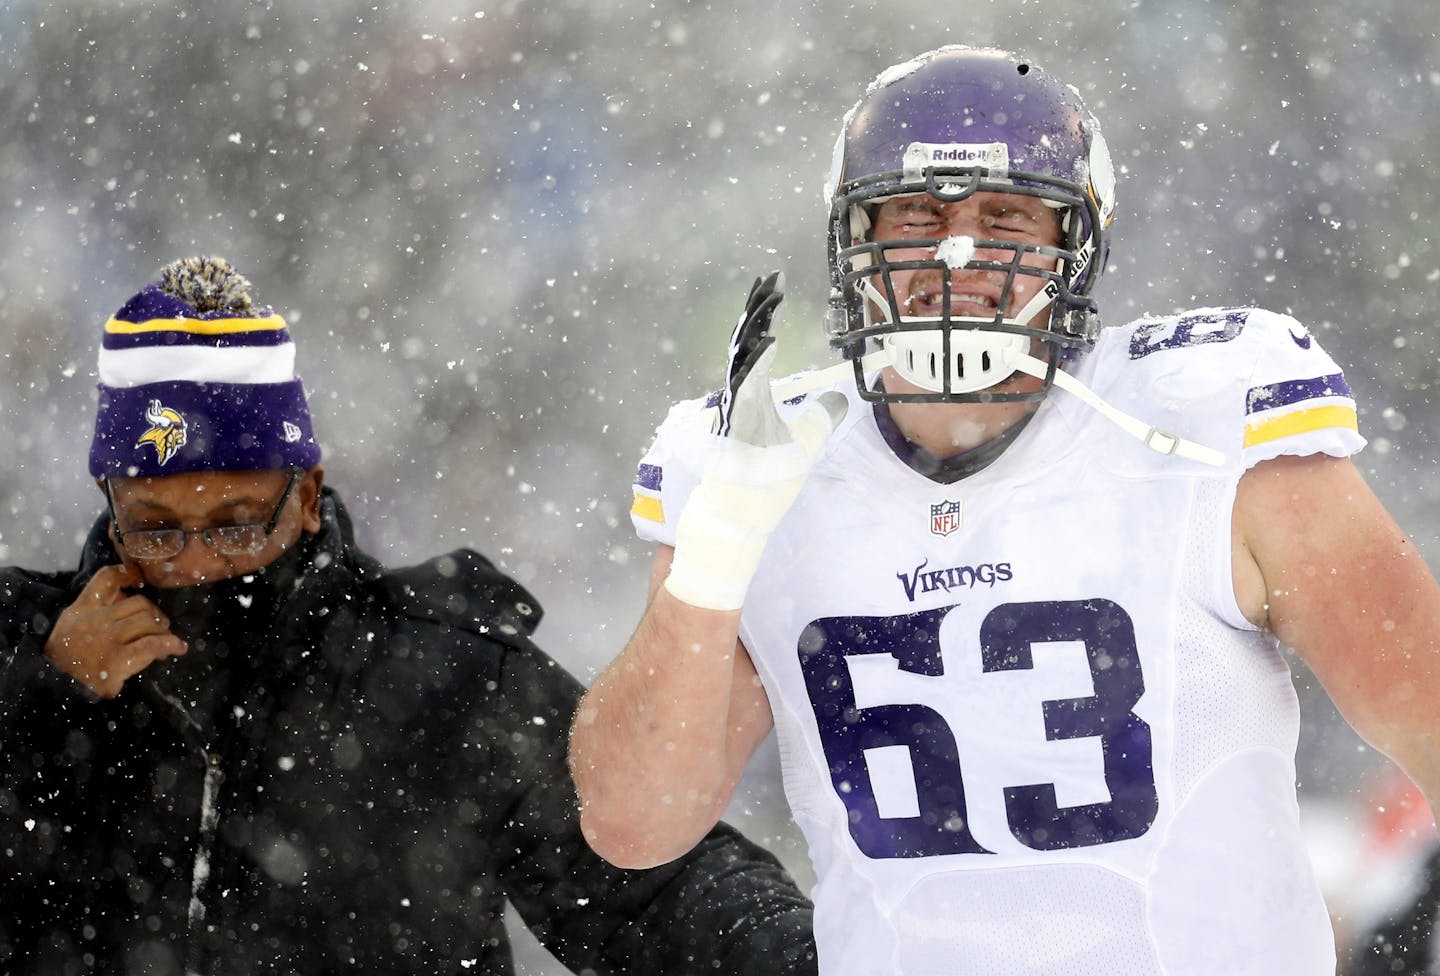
(228, 540)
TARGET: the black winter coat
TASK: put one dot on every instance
(351, 771)
(1404, 942)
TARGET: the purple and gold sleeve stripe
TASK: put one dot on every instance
(1286, 409)
(647, 503)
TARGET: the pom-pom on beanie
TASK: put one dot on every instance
(194, 376)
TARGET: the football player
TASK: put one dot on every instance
(1020, 645)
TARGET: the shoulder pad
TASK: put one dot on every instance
(1251, 382)
(670, 469)
(675, 460)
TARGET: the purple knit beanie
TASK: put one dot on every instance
(195, 377)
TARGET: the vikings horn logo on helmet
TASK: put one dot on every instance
(167, 430)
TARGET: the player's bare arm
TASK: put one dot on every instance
(1323, 566)
(664, 735)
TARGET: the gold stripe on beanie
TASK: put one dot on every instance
(273, 323)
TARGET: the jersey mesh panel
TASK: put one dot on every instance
(1224, 702)
(1094, 922)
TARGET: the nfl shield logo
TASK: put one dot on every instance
(944, 518)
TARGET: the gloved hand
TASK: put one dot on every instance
(755, 470)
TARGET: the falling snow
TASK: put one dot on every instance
(506, 236)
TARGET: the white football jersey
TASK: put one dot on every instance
(1023, 723)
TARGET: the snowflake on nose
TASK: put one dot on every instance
(956, 252)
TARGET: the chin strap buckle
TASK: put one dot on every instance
(1161, 442)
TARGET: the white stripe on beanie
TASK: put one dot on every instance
(138, 366)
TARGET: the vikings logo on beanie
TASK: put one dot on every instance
(195, 377)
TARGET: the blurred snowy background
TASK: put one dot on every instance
(507, 234)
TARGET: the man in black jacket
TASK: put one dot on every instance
(234, 743)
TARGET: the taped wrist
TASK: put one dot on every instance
(722, 532)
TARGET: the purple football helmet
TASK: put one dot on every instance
(952, 123)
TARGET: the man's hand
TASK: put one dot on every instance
(109, 635)
(756, 470)
(746, 396)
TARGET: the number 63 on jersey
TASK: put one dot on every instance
(935, 818)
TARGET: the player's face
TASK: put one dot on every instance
(991, 216)
(211, 500)
(945, 429)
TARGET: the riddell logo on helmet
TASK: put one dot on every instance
(962, 155)
(991, 155)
